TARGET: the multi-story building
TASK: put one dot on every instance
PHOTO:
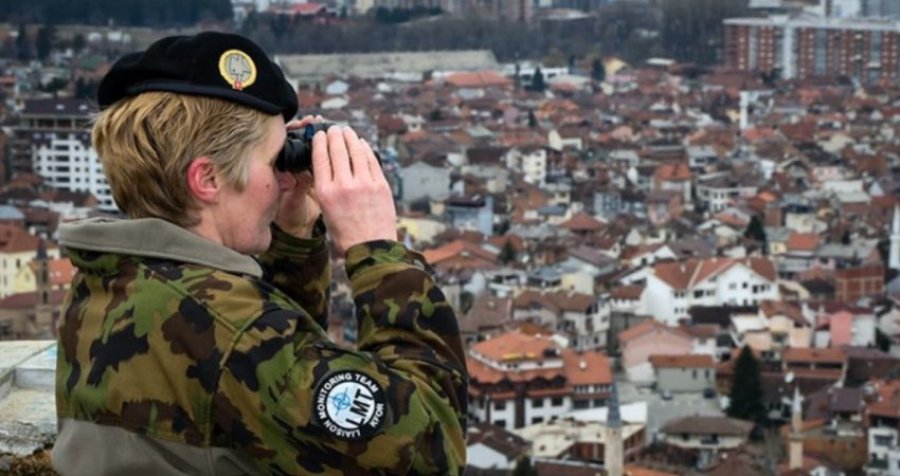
(53, 140)
(516, 379)
(674, 287)
(867, 49)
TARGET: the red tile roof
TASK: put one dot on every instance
(683, 275)
(515, 346)
(672, 172)
(798, 354)
(458, 248)
(586, 368)
(646, 327)
(582, 221)
(688, 361)
(477, 79)
(803, 242)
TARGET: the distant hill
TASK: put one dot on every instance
(154, 13)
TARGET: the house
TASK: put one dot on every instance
(461, 254)
(674, 177)
(684, 373)
(18, 248)
(675, 287)
(787, 325)
(839, 325)
(883, 424)
(517, 379)
(491, 447)
(637, 344)
(576, 440)
(60, 272)
(580, 317)
(706, 433)
(421, 180)
(470, 213)
(716, 192)
(825, 364)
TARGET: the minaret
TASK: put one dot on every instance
(795, 455)
(613, 454)
(43, 310)
(894, 255)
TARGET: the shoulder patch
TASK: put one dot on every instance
(349, 405)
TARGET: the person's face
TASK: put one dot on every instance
(244, 217)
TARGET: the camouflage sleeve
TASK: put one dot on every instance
(301, 269)
(397, 405)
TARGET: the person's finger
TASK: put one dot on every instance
(321, 163)
(371, 161)
(358, 154)
(339, 155)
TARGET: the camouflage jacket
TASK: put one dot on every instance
(180, 356)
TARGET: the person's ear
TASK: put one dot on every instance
(202, 180)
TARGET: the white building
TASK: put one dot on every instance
(54, 139)
(516, 379)
(675, 287)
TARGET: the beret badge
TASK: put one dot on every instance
(237, 68)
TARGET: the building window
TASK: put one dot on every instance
(500, 423)
(536, 420)
(694, 374)
(537, 403)
(499, 406)
(883, 440)
(557, 401)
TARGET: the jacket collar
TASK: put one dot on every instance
(154, 238)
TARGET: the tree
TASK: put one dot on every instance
(756, 232)
(532, 119)
(46, 36)
(746, 388)
(23, 45)
(524, 468)
(537, 81)
(598, 71)
(507, 253)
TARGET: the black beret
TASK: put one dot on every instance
(214, 64)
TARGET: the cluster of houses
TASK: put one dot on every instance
(610, 247)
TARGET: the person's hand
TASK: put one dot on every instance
(298, 209)
(351, 189)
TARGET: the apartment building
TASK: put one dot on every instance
(53, 140)
(867, 49)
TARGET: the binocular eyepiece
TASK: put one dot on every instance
(296, 155)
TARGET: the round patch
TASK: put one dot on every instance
(349, 405)
(237, 68)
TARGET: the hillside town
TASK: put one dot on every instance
(669, 270)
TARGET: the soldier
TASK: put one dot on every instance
(193, 338)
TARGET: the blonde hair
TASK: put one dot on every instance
(146, 143)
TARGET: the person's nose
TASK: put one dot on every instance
(286, 180)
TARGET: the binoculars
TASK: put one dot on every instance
(296, 155)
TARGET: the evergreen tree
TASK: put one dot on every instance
(746, 388)
(507, 253)
(598, 71)
(45, 38)
(23, 44)
(537, 81)
(524, 468)
(532, 119)
(756, 232)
